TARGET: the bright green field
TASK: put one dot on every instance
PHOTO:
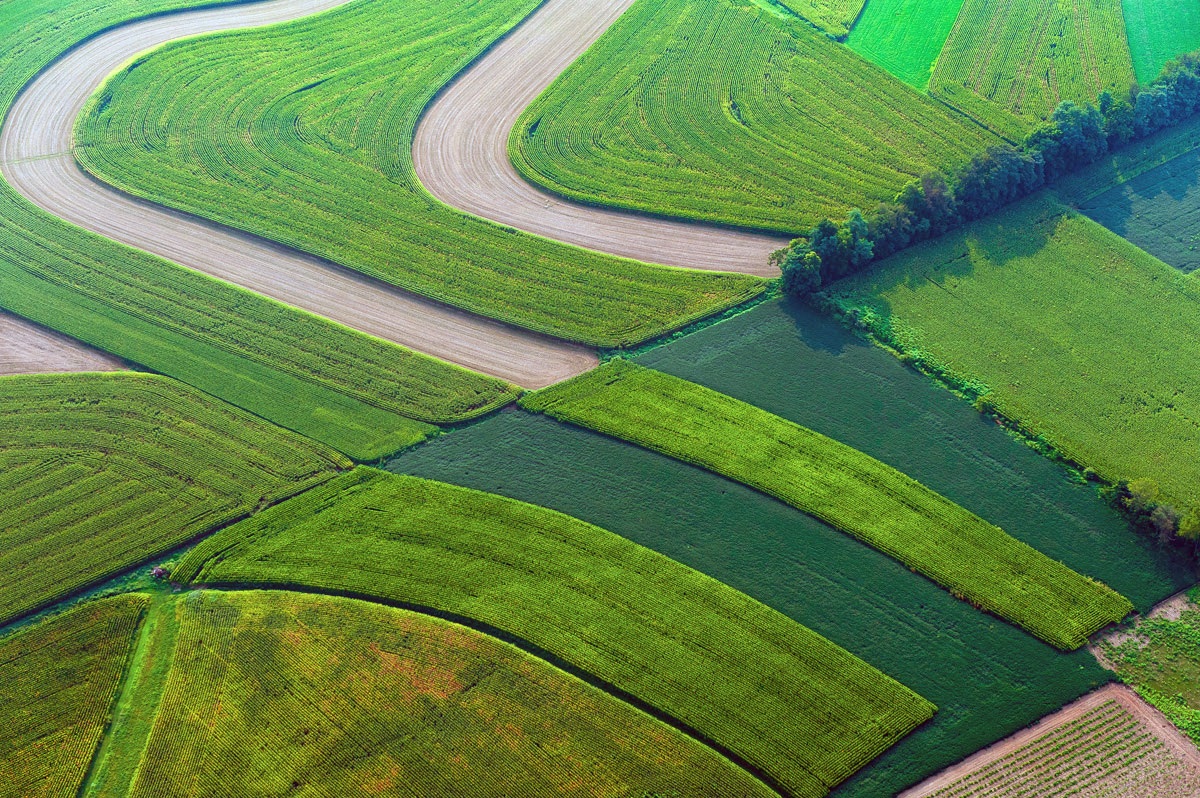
(1072, 331)
(904, 36)
(302, 133)
(673, 638)
(59, 680)
(835, 17)
(718, 110)
(273, 692)
(1160, 30)
(339, 386)
(101, 472)
(1009, 63)
(843, 487)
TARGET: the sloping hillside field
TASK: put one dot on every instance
(101, 472)
(608, 607)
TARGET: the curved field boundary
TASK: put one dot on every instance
(28, 348)
(461, 153)
(35, 158)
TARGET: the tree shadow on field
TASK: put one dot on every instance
(1154, 198)
(817, 331)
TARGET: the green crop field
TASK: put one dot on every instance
(624, 614)
(101, 472)
(352, 391)
(835, 17)
(385, 701)
(1008, 63)
(904, 36)
(718, 110)
(843, 487)
(1158, 31)
(1066, 328)
(327, 167)
(59, 680)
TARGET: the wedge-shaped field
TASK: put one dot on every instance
(1068, 329)
(1008, 63)
(843, 487)
(835, 17)
(673, 638)
(100, 472)
(904, 36)
(59, 680)
(302, 133)
(719, 110)
(273, 692)
(1158, 31)
(352, 391)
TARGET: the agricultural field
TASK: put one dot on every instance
(60, 678)
(835, 17)
(689, 107)
(327, 167)
(1158, 31)
(1008, 63)
(904, 37)
(1012, 309)
(437, 708)
(26, 348)
(102, 472)
(605, 606)
(845, 488)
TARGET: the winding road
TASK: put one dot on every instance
(461, 158)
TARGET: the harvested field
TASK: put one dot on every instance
(263, 682)
(27, 348)
(1108, 744)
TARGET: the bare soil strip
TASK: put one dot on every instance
(26, 348)
(1184, 778)
(461, 153)
(34, 158)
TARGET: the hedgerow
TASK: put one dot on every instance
(794, 706)
(100, 472)
(843, 487)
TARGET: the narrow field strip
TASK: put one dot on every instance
(101, 472)
(669, 636)
(273, 692)
(843, 487)
(904, 36)
(60, 678)
(27, 348)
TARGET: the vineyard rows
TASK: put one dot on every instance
(673, 638)
(843, 487)
(100, 472)
(60, 678)
(396, 702)
(302, 133)
(717, 110)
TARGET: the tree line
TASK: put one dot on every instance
(1075, 135)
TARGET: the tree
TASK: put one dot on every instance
(801, 272)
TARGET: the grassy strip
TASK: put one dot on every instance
(59, 679)
(306, 373)
(1010, 62)
(333, 696)
(718, 110)
(904, 36)
(101, 472)
(842, 486)
(1072, 332)
(326, 167)
(802, 711)
(1160, 30)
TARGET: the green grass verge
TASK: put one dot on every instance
(357, 393)
(59, 679)
(1069, 330)
(287, 692)
(1160, 30)
(669, 636)
(843, 487)
(101, 472)
(718, 110)
(904, 36)
(1010, 62)
(327, 168)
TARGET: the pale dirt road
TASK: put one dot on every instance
(26, 348)
(461, 153)
(35, 158)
